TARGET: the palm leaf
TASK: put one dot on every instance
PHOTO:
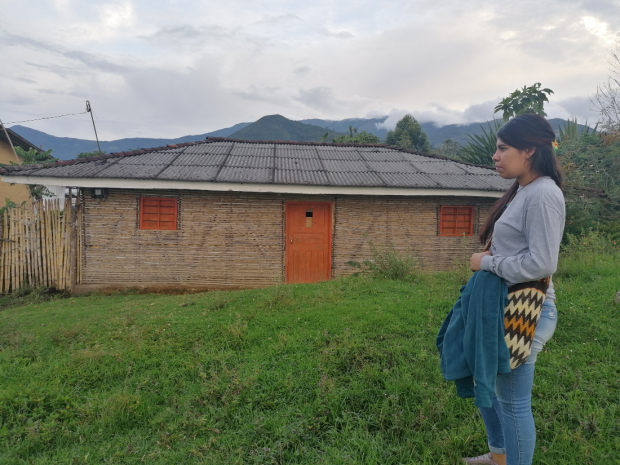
(481, 147)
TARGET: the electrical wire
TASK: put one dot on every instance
(47, 117)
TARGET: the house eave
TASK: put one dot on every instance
(247, 187)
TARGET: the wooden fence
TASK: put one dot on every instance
(40, 246)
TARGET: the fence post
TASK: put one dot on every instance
(73, 241)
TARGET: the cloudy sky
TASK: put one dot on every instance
(171, 68)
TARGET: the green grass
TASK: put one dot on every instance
(344, 372)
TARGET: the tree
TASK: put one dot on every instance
(96, 153)
(481, 147)
(449, 148)
(607, 97)
(34, 157)
(527, 100)
(355, 138)
(408, 134)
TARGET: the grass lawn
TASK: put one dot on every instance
(343, 372)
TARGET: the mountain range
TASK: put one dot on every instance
(272, 127)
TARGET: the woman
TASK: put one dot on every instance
(525, 228)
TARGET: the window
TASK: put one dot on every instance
(456, 221)
(156, 213)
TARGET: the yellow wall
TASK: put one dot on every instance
(17, 192)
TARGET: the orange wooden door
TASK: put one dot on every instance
(308, 242)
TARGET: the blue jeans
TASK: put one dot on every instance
(509, 423)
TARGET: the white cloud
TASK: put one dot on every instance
(597, 28)
(336, 34)
(574, 107)
(117, 15)
(278, 19)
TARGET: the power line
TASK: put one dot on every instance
(88, 110)
(47, 117)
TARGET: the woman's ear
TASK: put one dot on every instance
(529, 153)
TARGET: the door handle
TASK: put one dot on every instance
(291, 238)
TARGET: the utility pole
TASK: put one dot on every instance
(89, 110)
(10, 141)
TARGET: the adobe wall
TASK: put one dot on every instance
(411, 224)
(222, 240)
(17, 192)
(237, 240)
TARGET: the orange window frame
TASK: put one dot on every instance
(158, 213)
(456, 220)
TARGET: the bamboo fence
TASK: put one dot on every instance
(40, 245)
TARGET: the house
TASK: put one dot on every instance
(223, 213)
(18, 192)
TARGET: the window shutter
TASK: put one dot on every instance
(156, 213)
(456, 221)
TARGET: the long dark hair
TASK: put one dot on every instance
(525, 132)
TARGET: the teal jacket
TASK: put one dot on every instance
(471, 340)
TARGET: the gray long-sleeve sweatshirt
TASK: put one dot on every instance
(526, 238)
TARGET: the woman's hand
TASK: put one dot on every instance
(476, 259)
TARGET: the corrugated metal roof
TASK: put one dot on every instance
(409, 179)
(498, 183)
(224, 160)
(253, 175)
(354, 179)
(455, 181)
(345, 166)
(249, 162)
(476, 170)
(252, 149)
(189, 173)
(438, 167)
(373, 148)
(304, 164)
(200, 159)
(81, 170)
(158, 158)
(131, 171)
(391, 166)
(297, 152)
(383, 156)
(311, 178)
(335, 153)
(214, 147)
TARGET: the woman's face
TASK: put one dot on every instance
(510, 162)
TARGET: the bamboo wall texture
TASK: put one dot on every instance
(39, 246)
(237, 240)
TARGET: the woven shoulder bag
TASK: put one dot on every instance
(521, 315)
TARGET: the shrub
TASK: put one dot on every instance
(389, 263)
(588, 244)
(592, 187)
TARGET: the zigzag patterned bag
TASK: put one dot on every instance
(521, 315)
